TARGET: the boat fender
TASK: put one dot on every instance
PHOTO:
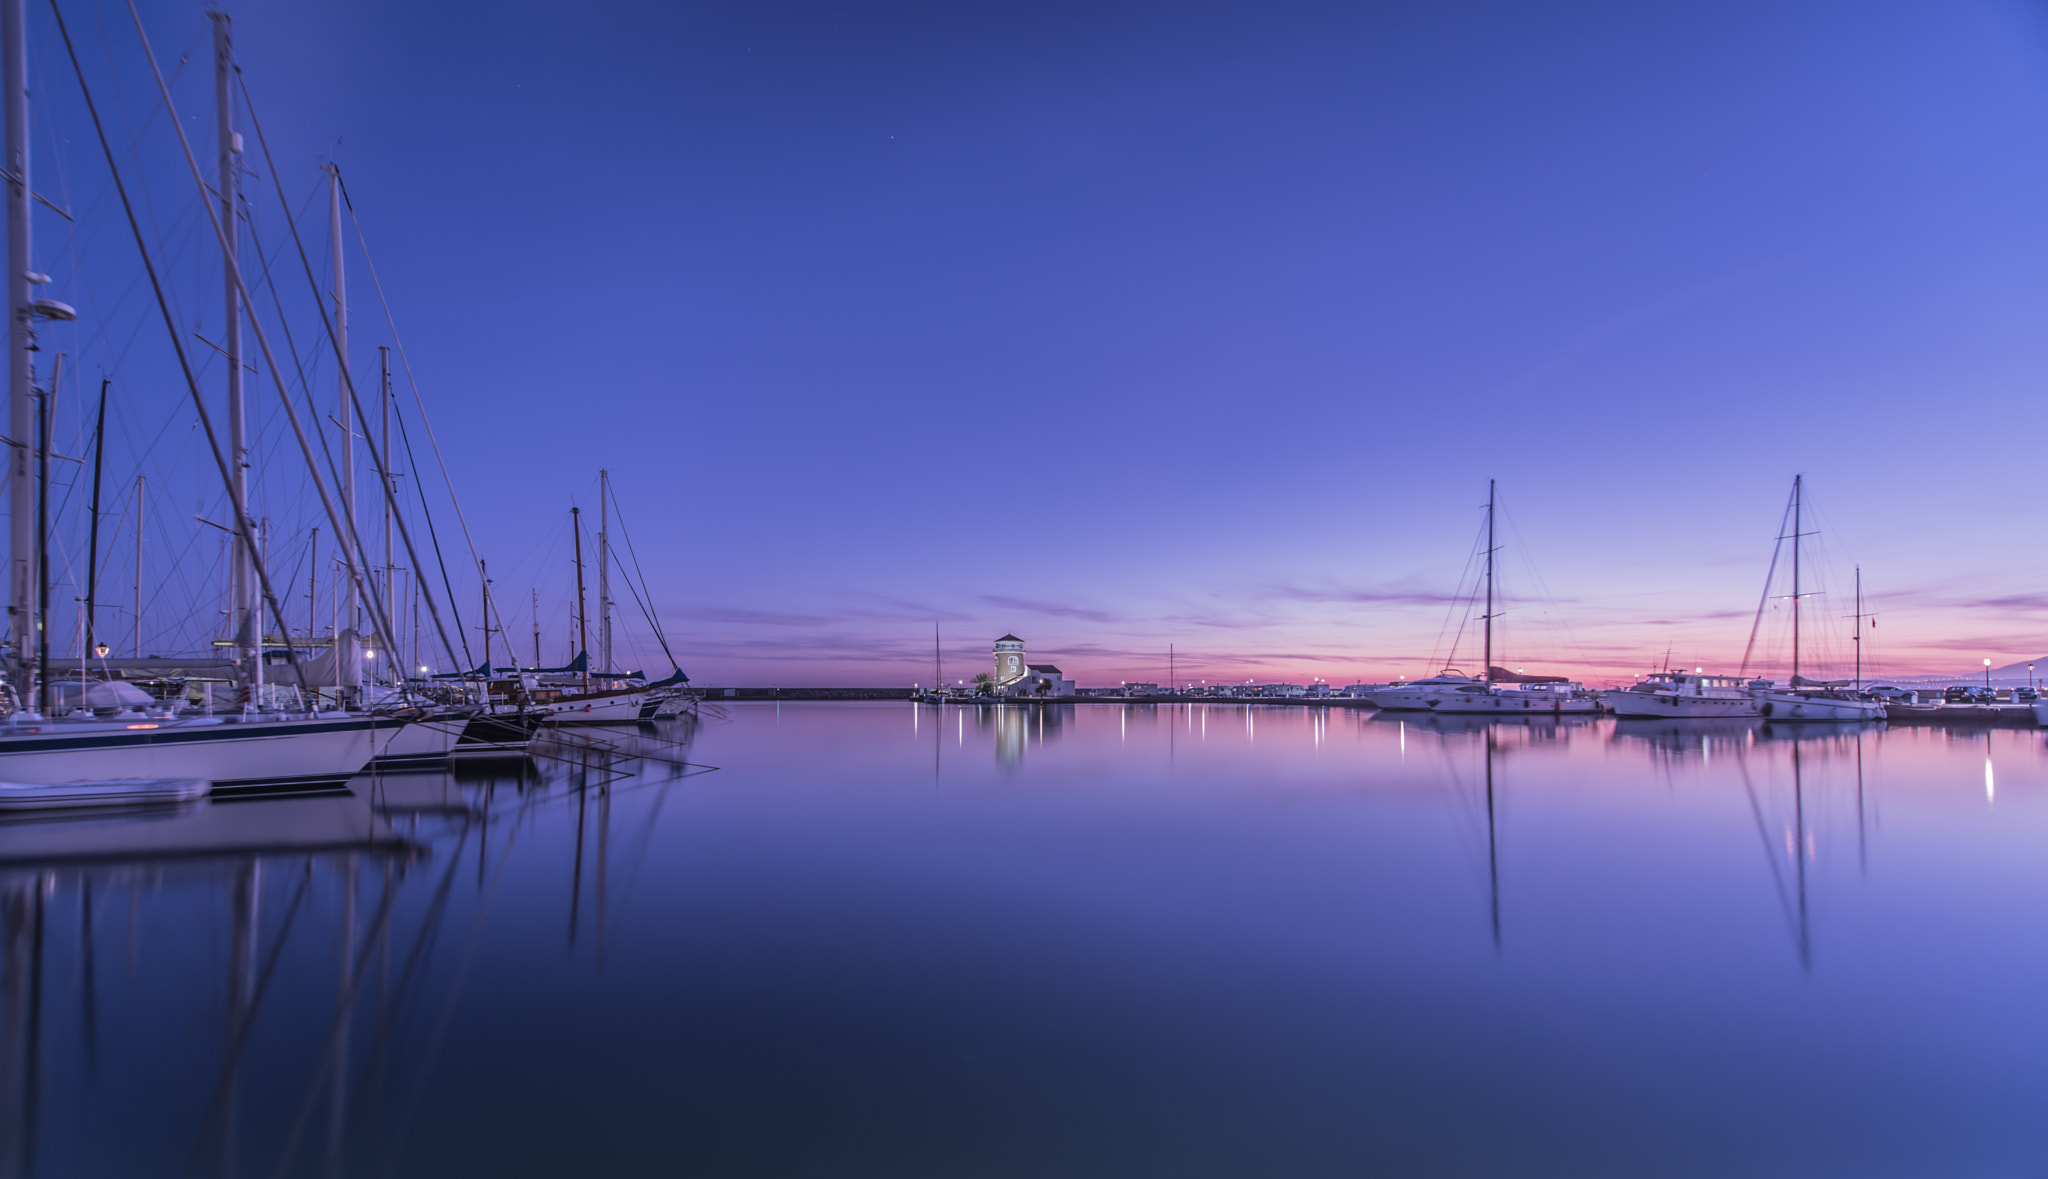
(1766, 708)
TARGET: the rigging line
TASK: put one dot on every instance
(377, 456)
(1475, 564)
(242, 525)
(1456, 600)
(1769, 575)
(434, 536)
(377, 617)
(405, 361)
(652, 621)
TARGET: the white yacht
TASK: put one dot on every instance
(1807, 703)
(1803, 699)
(1454, 693)
(1684, 696)
(1497, 693)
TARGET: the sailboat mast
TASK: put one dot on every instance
(390, 488)
(938, 674)
(1489, 583)
(139, 488)
(1859, 628)
(92, 541)
(21, 404)
(1797, 508)
(483, 569)
(244, 620)
(582, 610)
(352, 614)
(43, 407)
(604, 572)
(536, 629)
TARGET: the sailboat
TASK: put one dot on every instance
(574, 694)
(1803, 699)
(1498, 692)
(105, 754)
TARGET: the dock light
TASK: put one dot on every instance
(1987, 675)
(100, 650)
(369, 654)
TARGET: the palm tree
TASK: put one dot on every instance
(984, 683)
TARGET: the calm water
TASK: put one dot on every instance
(1223, 940)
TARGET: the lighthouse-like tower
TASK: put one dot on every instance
(1010, 663)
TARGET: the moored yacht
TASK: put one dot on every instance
(1684, 696)
(1454, 693)
(1499, 692)
(1804, 699)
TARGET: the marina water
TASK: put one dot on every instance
(882, 939)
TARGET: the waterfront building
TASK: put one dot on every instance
(1016, 675)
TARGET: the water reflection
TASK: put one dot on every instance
(324, 940)
(1205, 939)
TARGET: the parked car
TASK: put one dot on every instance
(2025, 695)
(1967, 694)
(1890, 694)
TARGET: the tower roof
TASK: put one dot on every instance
(1009, 639)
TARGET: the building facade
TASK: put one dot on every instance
(1016, 675)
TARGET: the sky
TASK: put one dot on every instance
(1120, 327)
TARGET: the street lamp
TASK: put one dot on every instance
(1987, 675)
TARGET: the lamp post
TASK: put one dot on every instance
(1987, 675)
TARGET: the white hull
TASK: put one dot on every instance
(1670, 706)
(1454, 702)
(1793, 706)
(607, 710)
(2041, 712)
(424, 744)
(228, 752)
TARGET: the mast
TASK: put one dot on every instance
(938, 673)
(21, 404)
(353, 612)
(245, 621)
(536, 629)
(92, 544)
(582, 611)
(313, 590)
(1859, 637)
(1797, 506)
(604, 570)
(139, 487)
(390, 493)
(42, 549)
(1488, 660)
(483, 568)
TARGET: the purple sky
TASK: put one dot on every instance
(1121, 326)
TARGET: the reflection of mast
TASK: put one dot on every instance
(1799, 853)
(1798, 919)
(19, 908)
(1492, 847)
(241, 997)
(1862, 837)
(337, 1098)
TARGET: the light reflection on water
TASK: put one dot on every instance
(1071, 939)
